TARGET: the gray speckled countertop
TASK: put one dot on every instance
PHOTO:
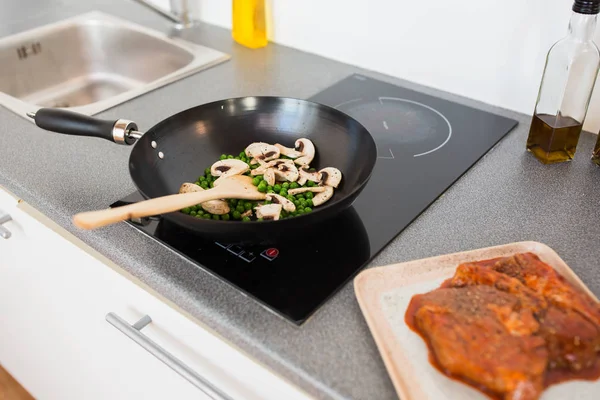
(506, 197)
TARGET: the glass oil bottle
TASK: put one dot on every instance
(567, 83)
(249, 23)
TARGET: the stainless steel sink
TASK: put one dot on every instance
(91, 63)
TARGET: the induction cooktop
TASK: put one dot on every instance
(424, 145)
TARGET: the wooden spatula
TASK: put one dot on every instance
(234, 187)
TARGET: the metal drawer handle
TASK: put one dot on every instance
(5, 233)
(133, 332)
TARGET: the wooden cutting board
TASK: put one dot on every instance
(384, 293)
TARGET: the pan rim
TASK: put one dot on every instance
(359, 187)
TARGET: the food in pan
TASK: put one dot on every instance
(284, 174)
(510, 327)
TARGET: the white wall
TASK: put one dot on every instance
(490, 50)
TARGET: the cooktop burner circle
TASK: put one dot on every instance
(407, 125)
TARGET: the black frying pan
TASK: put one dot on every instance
(179, 148)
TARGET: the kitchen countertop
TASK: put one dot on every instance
(507, 196)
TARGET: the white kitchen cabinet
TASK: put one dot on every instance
(55, 340)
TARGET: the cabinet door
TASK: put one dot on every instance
(53, 336)
(55, 340)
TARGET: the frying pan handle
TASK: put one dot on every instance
(72, 123)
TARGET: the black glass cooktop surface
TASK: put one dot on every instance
(424, 144)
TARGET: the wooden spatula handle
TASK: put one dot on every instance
(161, 205)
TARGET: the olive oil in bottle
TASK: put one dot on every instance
(249, 23)
(552, 138)
(569, 76)
(596, 153)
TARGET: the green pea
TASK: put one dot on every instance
(216, 217)
(193, 213)
(302, 202)
(223, 157)
(242, 154)
(246, 219)
(291, 198)
(312, 170)
(270, 191)
(237, 214)
(240, 208)
(234, 202)
(212, 184)
(299, 196)
(202, 179)
(230, 157)
(186, 210)
(197, 183)
(254, 166)
(194, 208)
(294, 185)
(300, 211)
(277, 188)
(309, 195)
(200, 212)
(204, 185)
(206, 216)
(283, 192)
(207, 171)
(311, 184)
(269, 187)
(248, 206)
(256, 181)
(297, 203)
(307, 209)
(262, 189)
(309, 203)
(260, 219)
(225, 217)
(268, 202)
(199, 216)
(237, 158)
(285, 185)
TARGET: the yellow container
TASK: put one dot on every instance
(249, 23)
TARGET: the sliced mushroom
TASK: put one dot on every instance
(218, 207)
(268, 211)
(190, 188)
(322, 197)
(274, 163)
(247, 214)
(228, 167)
(315, 189)
(286, 151)
(331, 176)
(254, 148)
(269, 176)
(285, 203)
(262, 151)
(307, 148)
(305, 175)
(286, 172)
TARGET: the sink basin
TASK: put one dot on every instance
(92, 62)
